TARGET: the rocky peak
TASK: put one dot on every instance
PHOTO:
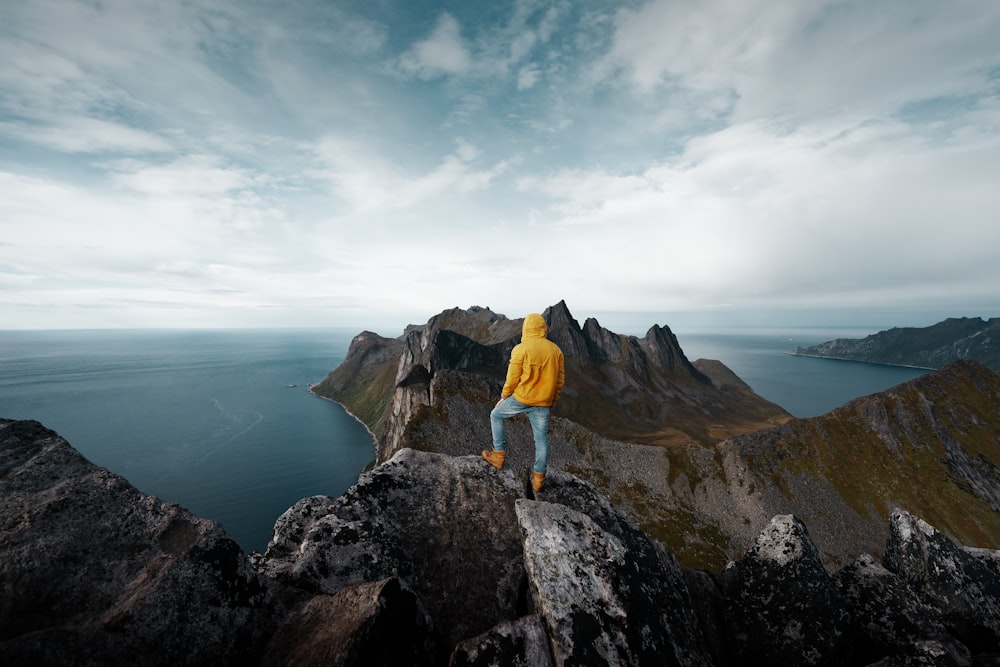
(665, 353)
(564, 331)
(438, 560)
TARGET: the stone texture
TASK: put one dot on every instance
(444, 525)
(431, 558)
(889, 617)
(606, 599)
(962, 585)
(377, 623)
(781, 605)
(91, 570)
(520, 643)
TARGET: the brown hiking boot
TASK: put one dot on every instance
(495, 458)
(537, 481)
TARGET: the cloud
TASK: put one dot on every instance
(87, 135)
(442, 53)
(754, 211)
(803, 60)
(366, 183)
(240, 158)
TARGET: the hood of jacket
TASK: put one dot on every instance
(534, 327)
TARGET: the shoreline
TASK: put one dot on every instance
(861, 361)
(352, 415)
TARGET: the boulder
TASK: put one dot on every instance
(606, 599)
(962, 585)
(781, 605)
(377, 623)
(445, 526)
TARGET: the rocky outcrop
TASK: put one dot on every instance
(93, 572)
(928, 347)
(432, 559)
(841, 473)
(781, 604)
(372, 623)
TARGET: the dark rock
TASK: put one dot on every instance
(520, 643)
(445, 526)
(378, 623)
(565, 331)
(889, 618)
(430, 557)
(962, 586)
(781, 606)
(92, 572)
(708, 605)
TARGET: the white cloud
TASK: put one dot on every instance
(443, 52)
(87, 135)
(366, 183)
(806, 59)
(527, 77)
(221, 158)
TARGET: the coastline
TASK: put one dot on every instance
(352, 415)
(861, 361)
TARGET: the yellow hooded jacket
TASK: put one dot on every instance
(535, 375)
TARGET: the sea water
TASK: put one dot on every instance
(222, 422)
(804, 386)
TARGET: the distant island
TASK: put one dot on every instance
(928, 347)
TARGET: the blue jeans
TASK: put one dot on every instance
(538, 416)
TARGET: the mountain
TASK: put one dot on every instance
(686, 448)
(439, 560)
(622, 387)
(929, 347)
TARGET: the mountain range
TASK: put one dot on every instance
(927, 347)
(698, 459)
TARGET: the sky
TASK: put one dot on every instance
(256, 163)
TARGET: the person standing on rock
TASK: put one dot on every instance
(535, 378)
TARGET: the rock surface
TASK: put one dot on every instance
(91, 570)
(432, 559)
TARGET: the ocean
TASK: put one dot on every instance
(223, 423)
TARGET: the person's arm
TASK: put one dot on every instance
(514, 369)
(560, 380)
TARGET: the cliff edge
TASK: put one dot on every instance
(438, 560)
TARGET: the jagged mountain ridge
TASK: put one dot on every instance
(924, 347)
(642, 389)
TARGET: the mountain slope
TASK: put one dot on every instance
(928, 347)
(931, 445)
